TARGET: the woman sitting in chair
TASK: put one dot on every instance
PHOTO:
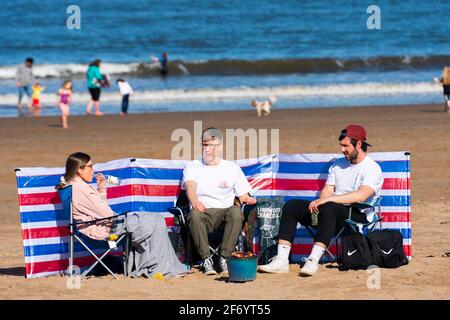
(153, 250)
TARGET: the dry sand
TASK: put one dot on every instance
(422, 129)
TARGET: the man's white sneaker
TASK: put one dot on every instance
(208, 267)
(276, 265)
(309, 268)
(223, 266)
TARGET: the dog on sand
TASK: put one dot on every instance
(263, 107)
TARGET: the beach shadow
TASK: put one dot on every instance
(14, 271)
(431, 111)
(223, 279)
(54, 126)
(332, 266)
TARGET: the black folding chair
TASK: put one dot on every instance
(181, 211)
(352, 225)
(74, 234)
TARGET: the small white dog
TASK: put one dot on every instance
(263, 107)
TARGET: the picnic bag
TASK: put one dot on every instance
(381, 248)
(355, 252)
(387, 248)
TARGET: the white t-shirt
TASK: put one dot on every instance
(124, 88)
(218, 185)
(347, 177)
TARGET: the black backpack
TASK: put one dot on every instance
(382, 248)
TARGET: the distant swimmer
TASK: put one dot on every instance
(164, 63)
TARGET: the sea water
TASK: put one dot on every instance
(224, 54)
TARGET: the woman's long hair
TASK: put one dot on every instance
(75, 161)
(446, 76)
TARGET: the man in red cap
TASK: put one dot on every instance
(356, 178)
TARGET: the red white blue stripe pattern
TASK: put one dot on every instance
(153, 185)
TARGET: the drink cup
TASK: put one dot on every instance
(112, 179)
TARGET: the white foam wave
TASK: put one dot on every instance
(210, 94)
(65, 70)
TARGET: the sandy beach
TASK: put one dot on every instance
(421, 129)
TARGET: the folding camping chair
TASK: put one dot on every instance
(74, 234)
(370, 226)
(354, 226)
(181, 211)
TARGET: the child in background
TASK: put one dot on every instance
(125, 90)
(36, 98)
(65, 96)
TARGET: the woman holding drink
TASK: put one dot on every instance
(148, 231)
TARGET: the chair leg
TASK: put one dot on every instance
(336, 259)
(188, 249)
(71, 255)
(329, 254)
(327, 249)
(99, 260)
(127, 254)
(337, 250)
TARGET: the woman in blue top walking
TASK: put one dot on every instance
(94, 84)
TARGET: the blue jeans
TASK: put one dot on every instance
(22, 90)
(125, 101)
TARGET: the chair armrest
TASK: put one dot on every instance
(97, 220)
(361, 205)
(178, 211)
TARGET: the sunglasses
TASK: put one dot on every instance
(210, 146)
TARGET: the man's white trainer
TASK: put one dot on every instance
(309, 268)
(276, 265)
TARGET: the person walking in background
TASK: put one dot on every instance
(24, 79)
(94, 84)
(445, 80)
(65, 97)
(35, 106)
(125, 90)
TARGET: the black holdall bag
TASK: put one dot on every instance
(381, 248)
(387, 248)
(355, 252)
